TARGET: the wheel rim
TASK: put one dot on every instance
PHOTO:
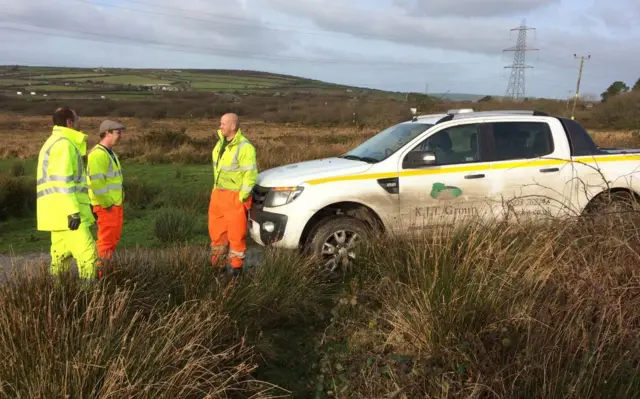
(338, 250)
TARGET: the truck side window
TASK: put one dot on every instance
(455, 145)
(521, 140)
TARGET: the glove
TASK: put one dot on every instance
(74, 221)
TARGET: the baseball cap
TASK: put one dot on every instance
(110, 125)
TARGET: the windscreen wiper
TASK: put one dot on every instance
(357, 158)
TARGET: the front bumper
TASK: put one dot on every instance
(266, 228)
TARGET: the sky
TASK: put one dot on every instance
(422, 46)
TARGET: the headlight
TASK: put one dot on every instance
(279, 196)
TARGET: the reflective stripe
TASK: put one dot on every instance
(67, 179)
(246, 188)
(236, 254)
(234, 163)
(63, 190)
(106, 189)
(110, 172)
(235, 168)
(235, 155)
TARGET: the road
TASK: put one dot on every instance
(29, 263)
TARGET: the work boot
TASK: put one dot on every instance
(235, 271)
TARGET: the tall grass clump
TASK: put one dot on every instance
(139, 194)
(104, 343)
(174, 224)
(499, 311)
(18, 169)
(162, 324)
(17, 197)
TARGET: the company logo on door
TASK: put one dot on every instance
(441, 192)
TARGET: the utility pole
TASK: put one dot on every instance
(566, 108)
(516, 87)
(575, 99)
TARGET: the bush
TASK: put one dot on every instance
(174, 225)
(138, 193)
(621, 111)
(18, 169)
(17, 197)
(166, 139)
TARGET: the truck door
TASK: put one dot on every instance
(454, 188)
(531, 179)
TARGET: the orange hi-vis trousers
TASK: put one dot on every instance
(228, 226)
(109, 229)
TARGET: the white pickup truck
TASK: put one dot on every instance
(439, 169)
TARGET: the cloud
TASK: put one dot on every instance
(457, 44)
(472, 8)
(476, 36)
(227, 31)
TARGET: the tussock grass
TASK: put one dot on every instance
(138, 193)
(174, 224)
(17, 196)
(502, 310)
(160, 325)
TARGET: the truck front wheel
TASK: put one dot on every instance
(334, 240)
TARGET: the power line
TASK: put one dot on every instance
(575, 99)
(516, 86)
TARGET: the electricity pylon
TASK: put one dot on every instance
(516, 87)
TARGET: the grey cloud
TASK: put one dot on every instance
(196, 31)
(472, 8)
(475, 36)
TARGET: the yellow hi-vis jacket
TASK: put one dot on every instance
(104, 177)
(235, 168)
(61, 180)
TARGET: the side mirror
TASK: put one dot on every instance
(418, 159)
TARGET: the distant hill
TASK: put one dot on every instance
(458, 96)
(124, 83)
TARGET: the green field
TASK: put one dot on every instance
(107, 81)
(149, 189)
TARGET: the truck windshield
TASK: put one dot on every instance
(385, 143)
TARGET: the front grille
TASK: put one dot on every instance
(259, 194)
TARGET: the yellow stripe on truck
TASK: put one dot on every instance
(477, 168)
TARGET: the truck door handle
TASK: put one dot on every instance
(549, 170)
(478, 176)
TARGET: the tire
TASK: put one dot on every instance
(331, 231)
(619, 201)
(621, 204)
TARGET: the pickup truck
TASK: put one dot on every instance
(439, 169)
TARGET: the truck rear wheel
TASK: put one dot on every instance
(334, 240)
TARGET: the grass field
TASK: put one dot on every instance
(167, 166)
(487, 311)
(110, 80)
